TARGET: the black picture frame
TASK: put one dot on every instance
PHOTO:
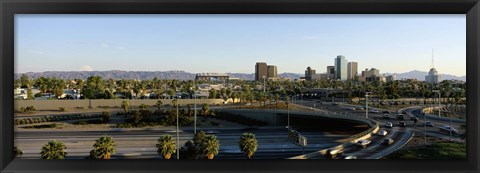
(8, 9)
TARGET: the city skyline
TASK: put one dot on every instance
(191, 43)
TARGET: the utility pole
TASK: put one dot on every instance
(366, 104)
(425, 127)
(195, 114)
(263, 84)
(178, 137)
(439, 102)
(288, 116)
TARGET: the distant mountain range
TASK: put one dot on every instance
(182, 75)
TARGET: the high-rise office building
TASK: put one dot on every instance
(331, 72)
(271, 72)
(309, 73)
(352, 70)
(260, 71)
(341, 68)
(433, 77)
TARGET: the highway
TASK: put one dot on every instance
(273, 142)
(399, 134)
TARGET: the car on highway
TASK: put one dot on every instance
(400, 117)
(429, 124)
(363, 143)
(382, 132)
(386, 112)
(360, 108)
(334, 152)
(373, 111)
(386, 116)
(402, 124)
(448, 129)
(350, 157)
(389, 125)
(414, 118)
(388, 141)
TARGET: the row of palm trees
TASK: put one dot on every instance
(96, 87)
(206, 146)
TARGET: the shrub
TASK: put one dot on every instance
(106, 117)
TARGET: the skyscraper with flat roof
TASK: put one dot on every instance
(331, 72)
(352, 70)
(272, 71)
(260, 71)
(341, 68)
(309, 73)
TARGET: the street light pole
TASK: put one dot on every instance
(178, 137)
(263, 84)
(425, 127)
(439, 98)
(366, 104)
(288, 116)
(195, 114)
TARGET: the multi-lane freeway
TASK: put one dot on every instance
(273, 142)
(399, 134)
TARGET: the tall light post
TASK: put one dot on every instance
(263, 84)
(195, 111)
(178, 137)
(425, 127)
(366, 104)
(288, 115)
(439, 98)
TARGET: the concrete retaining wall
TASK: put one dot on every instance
(56, 104)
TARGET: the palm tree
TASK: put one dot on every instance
(17, 152)
(53, 150)
(174, 102)
(159, 105)
(125, 107)
(210, 145)
(277, 100)
(103, 148)
(197, 141)
(248, 144)
(166, 146)
(205, 110)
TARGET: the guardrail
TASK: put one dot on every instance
(409, 134)
(374, 127)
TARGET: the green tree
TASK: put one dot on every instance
(53, 150)
(171, 92)
(212, 94)
(174, 102)
(248, 144)
(197, 141)
(159, 105)
(94, 87)
(25, 81)
(103, 148)
(137, 117)
(205, 110)
(125, 107)
(106, 117)
(166, 146)
(143, 107)
(17, 152)
(277, 100)
(210, 146)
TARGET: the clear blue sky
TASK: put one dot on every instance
(234, 43)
